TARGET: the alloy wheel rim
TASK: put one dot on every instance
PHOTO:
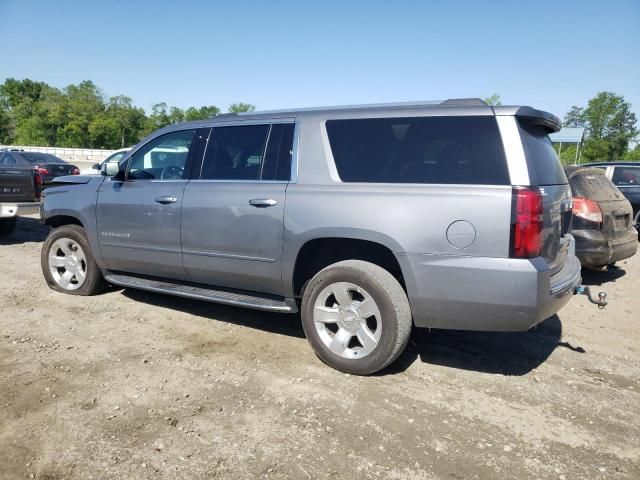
(67, 264)
(347, 320)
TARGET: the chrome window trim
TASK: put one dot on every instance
(209, 180)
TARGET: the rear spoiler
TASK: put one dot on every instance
(538, 117)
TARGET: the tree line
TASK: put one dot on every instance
(35, 113)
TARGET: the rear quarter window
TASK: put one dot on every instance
(430, 150)
(542, 160)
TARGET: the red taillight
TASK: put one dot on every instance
(526, 222)
(37, 181)
(587, 209)
(75, 171)
(42, 171)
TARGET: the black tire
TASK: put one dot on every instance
(94, 281)
(392, 304)
(7, 225)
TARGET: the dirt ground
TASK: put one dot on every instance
(135, 385)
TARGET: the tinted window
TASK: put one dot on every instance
(626, 176)
(35, 157)
(163, 158)
(235, 153)
(542, 160)
(277, 163)
(450, 150)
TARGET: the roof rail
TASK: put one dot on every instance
(463, 102)
(452, 102)
(223, 115)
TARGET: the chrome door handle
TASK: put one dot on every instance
(262, 202)
(165, 200)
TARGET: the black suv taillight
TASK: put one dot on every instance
(526, 222)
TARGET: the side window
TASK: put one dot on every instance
(626, 176)
(235, 153)
(439, 150)
(163, 158)
(9, 160)
(277, 162)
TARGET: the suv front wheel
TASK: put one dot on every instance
(356, 316)
(67, 263)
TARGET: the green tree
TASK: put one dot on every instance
(493, 100)
(610, 126)
(633, 155)
(159, 118)
(202, 113)
(85, 103)
(119, 125)
(13, 92)
(241, 107)
(7, 133)
(176, 115)
(574, 118)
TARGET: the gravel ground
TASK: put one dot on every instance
(135, 385)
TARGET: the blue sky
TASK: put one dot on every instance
(279, 54)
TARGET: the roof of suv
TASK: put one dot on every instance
(464, 106)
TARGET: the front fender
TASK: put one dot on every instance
(78, 201)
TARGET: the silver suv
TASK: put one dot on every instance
(368, 220)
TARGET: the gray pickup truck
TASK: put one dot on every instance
(368, 220)
(19, 195)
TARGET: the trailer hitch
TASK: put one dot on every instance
(601, 301)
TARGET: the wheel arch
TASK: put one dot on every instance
(317, 252)
(59, 220)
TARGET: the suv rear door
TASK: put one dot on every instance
(233, 209)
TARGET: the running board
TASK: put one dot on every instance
(286, 305)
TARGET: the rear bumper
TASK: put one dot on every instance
(595, 250)
(8, 210)
(488, 294)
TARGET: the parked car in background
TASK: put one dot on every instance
(48, 166)
(113, 157)
(602, 222)
(625, 176)
(368, 220)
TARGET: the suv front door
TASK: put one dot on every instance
(233, 214)
(139, 216)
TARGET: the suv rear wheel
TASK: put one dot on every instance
(67, 263)
(356, 316)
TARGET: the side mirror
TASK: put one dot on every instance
(110, 169)
(95, 166)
